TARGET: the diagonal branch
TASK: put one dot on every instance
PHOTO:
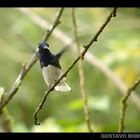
(95, 62)
(81, 73)
(123, 103)
(27, 66)
(56, 22)
(73, 64)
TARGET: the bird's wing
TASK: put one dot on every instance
(59, 54)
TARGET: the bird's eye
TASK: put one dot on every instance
(39, 47)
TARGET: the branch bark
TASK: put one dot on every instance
(81, 73)
(123, 103)
(27, 66)
(73, 64)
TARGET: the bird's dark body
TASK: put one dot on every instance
(51, 68)
(47, 58)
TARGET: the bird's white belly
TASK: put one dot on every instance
(51, 74)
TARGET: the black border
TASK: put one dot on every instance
(70, 3)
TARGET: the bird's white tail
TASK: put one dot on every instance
(62, 87)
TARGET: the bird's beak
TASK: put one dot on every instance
(45, 47)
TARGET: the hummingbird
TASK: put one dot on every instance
(51, 69)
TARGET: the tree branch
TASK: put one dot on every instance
(73, 64)
(27, 66)
(95, 62)
(123, 103)
(56, 22)
(81, 74)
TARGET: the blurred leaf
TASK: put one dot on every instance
(99, 103)
(76, 104)
(127, 73)
(19, 127)
(76, 128)
(1, 93)
(5, 125)
(67, 122)
(121, 50)
(48, 125)
(110, 127)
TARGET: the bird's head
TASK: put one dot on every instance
(43, 45)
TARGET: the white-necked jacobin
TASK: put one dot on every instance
(51, 68)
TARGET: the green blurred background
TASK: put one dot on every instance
(118, 47)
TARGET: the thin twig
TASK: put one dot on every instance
(123, 103)
(73, 64)
(114, 13)
(56, 22)
(28, 65)
(81, 74)
(93, 60)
